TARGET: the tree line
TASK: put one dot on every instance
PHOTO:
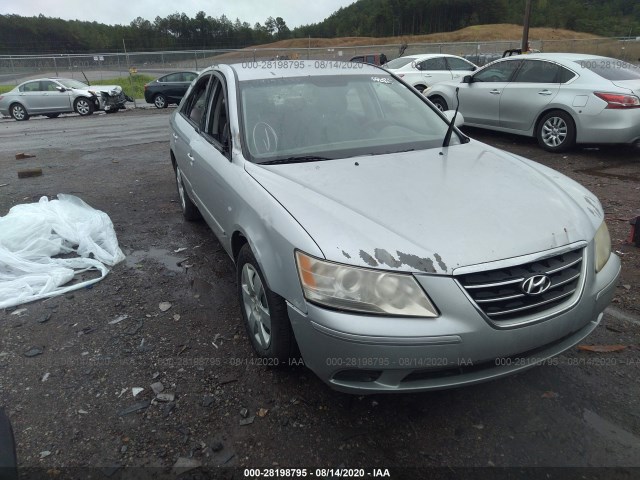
(370, 18)
(382, 18)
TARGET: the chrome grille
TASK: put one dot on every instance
(499, 293)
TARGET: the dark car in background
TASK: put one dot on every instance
(169, 88)
(372, 58)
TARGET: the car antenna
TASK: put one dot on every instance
(447, 137)
(85, 77)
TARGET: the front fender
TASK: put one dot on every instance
(274, 235)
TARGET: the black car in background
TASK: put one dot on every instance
(169, 88)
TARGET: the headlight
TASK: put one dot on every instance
(362, 290)
(603, 246)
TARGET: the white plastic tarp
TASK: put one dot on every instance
(33, 235)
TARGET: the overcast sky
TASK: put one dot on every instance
(122, 12)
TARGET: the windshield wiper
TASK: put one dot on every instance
(295, 159)
(447, 137)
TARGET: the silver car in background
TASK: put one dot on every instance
(559, 98)
(398, 254)
(53, 96)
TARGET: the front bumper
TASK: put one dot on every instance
(113, 102)
(370, 354)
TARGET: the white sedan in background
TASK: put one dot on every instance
(422, 71)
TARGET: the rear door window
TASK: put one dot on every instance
(611, 69)
(538, 71)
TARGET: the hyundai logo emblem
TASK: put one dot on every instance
(536, 285)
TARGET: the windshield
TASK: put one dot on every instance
(611, 68)
(399, 62)
(71, 83)
(328, 117)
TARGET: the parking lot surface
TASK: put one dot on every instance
(73, 405)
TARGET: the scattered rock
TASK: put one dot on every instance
(164, 306)
(247, 421)
(118, 319)
(136, 407)
(263, 412)
(168, 408)
(208, 400)
(157, 388)
(244, 412)
(44, 318)
(34, 352)
(184, 464)
(135, 391)
(45, 377)
(45, 454)
(165, 397)
(22, 156)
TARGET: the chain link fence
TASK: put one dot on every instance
(101, 66)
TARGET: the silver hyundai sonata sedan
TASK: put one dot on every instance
(395, 252)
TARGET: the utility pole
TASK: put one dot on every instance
(525, 29)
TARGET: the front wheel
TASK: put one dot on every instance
(440, 103)
(83, 106)
(160, 101)
(18, 112)
(264, 312)
(556, 131)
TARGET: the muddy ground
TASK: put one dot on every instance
(72, 406)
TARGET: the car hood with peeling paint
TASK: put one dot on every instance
(430, 212)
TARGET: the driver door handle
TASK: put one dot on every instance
(545, 92)
(494, 92)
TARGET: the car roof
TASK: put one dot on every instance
(298, 68)
(424, 56)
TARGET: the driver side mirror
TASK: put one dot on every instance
(467, 79)
(61, 89)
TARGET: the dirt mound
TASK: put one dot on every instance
(501, 31)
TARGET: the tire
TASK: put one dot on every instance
(160, 101)
(52, 115)
(440, 103)
(189, 210)
(264, 312)
(556, 131)
(8, 461)
(83, 106)
(18, 112)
